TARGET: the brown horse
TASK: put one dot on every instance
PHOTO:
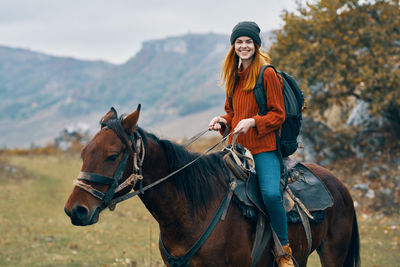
(184, 204)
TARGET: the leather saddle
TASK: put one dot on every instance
(303, 190)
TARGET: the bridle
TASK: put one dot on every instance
(134, 148)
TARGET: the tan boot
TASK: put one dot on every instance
(285, 260)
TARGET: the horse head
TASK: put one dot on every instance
(109, 158)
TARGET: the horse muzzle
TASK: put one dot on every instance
(81, 215)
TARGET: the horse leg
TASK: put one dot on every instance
(340, 247)
(334, 249)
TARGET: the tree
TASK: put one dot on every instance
(344, 49)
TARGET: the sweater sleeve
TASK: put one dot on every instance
(276, 108)
(228, 116)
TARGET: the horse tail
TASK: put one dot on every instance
(353, 254)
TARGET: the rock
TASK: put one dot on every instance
(315, 141)
(361, 186)
(386, 191)
(372, 175)
(359, 115)
(370, 193)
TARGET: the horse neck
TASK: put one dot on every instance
(168, 206)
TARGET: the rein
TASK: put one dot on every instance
(136, 192)
(195, 137)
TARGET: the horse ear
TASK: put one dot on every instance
(131, 120)
(110, 115)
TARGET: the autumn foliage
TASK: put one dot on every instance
(343, 51)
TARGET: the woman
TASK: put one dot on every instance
(240, 71)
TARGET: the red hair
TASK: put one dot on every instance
(229, 72)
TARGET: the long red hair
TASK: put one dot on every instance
(229, 72)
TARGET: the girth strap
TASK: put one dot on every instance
(183, 261)
(307, 228)
(263, 235)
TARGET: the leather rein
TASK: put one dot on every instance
(135, 148)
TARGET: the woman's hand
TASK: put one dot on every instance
(244, 125)
(214, 123)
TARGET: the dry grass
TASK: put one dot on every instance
(36, 232)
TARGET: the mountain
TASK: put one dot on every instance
(172, 78)
(33, 87)
(30, 82)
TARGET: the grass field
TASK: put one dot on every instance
(35, 231)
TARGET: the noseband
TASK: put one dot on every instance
(135, 148)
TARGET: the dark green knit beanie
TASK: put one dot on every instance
(246, 28)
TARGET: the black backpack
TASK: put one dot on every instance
(294, 101)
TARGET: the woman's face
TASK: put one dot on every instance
(244, 48)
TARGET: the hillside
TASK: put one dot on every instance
(171, 78)
(31, 82)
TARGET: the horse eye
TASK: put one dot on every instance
(112, 157)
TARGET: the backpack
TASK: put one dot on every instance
(294, 101)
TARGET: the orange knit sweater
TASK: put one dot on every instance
(260, 138)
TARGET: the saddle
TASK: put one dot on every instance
(305, 196)
(304, 190)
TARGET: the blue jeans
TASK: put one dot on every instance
(269, 175)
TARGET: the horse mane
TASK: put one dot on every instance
(200, 181)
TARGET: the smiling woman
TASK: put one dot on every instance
(242, 67)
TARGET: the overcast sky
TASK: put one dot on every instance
(113, 30)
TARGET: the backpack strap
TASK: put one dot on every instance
(259, 92)
(261, 99)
